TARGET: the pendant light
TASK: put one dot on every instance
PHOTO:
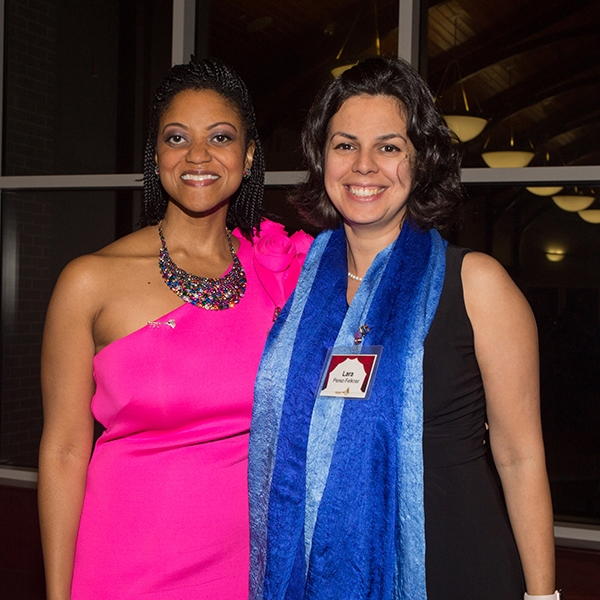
(509, 157)
(555, 254)
(591, 215)
(459, 117)
(574, 202)
(498, 156)
(344, 66)
(545, 190)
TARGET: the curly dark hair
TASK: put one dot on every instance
(436, 190)
(245, 207)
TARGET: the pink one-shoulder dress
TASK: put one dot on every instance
(165, 514)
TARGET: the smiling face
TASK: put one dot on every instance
(368, 163)
(201, 151)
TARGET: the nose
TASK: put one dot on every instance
(365, 162)
(198, 152)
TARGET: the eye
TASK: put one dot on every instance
(221, 138)
(390, 148)
(344, 146)
(175, 139)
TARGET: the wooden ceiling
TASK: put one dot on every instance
(533, 66)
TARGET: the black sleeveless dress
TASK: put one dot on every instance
(470, 549)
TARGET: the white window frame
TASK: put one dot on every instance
(183, 30)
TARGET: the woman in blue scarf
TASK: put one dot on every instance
(369, 471)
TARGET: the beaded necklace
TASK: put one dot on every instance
(218, 293)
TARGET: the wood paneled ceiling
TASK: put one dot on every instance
(532, 65)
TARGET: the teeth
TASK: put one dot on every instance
(191, 177)
(365, 192)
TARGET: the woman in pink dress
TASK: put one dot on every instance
(158, 336)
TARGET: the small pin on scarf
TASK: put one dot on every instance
(359, 336)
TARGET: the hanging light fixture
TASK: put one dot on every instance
(591, 215)
(574, 202)
(337, 71)
(545, 190)
(512, 157)
(459, 119)
(466, 127)
(507, 159)
(555, 254)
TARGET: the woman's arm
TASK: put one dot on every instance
(67, 389)
(507, 352)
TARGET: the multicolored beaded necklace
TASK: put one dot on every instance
(217, 293)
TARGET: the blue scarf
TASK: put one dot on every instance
(336, 486)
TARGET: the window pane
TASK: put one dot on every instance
(286, 51)
(526, 67)
(553, 255)
(278, 208)
(78, 79)
(41, 232)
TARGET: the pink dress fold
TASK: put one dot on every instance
(165, 513)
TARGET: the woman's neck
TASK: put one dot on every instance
(364, 245)
(198, 244)
(197, 235)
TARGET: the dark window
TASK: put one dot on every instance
(78, 80)
(41, 232)
(553, 255)
(285, 51)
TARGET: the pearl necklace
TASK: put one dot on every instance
(210, 293)
(355, 277)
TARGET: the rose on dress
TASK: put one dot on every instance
(278, 259)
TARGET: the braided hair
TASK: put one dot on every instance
(245, 207)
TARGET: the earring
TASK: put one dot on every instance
(247, 173)
(157, 171)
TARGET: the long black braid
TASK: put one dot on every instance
(245, 207)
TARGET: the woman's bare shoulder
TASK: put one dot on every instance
(484, 274)
(479, 265)
(493, 300)
(92, 276)
(139, 244)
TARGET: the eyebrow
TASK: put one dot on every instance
(380, 138)
(343, 134)
(222, 123)
(174, 124)
(390, 136)
(209, 128)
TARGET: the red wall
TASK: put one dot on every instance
(578, 573)
(21, 566)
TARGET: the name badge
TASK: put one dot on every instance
(349, 373)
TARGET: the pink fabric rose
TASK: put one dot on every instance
(278, 259)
